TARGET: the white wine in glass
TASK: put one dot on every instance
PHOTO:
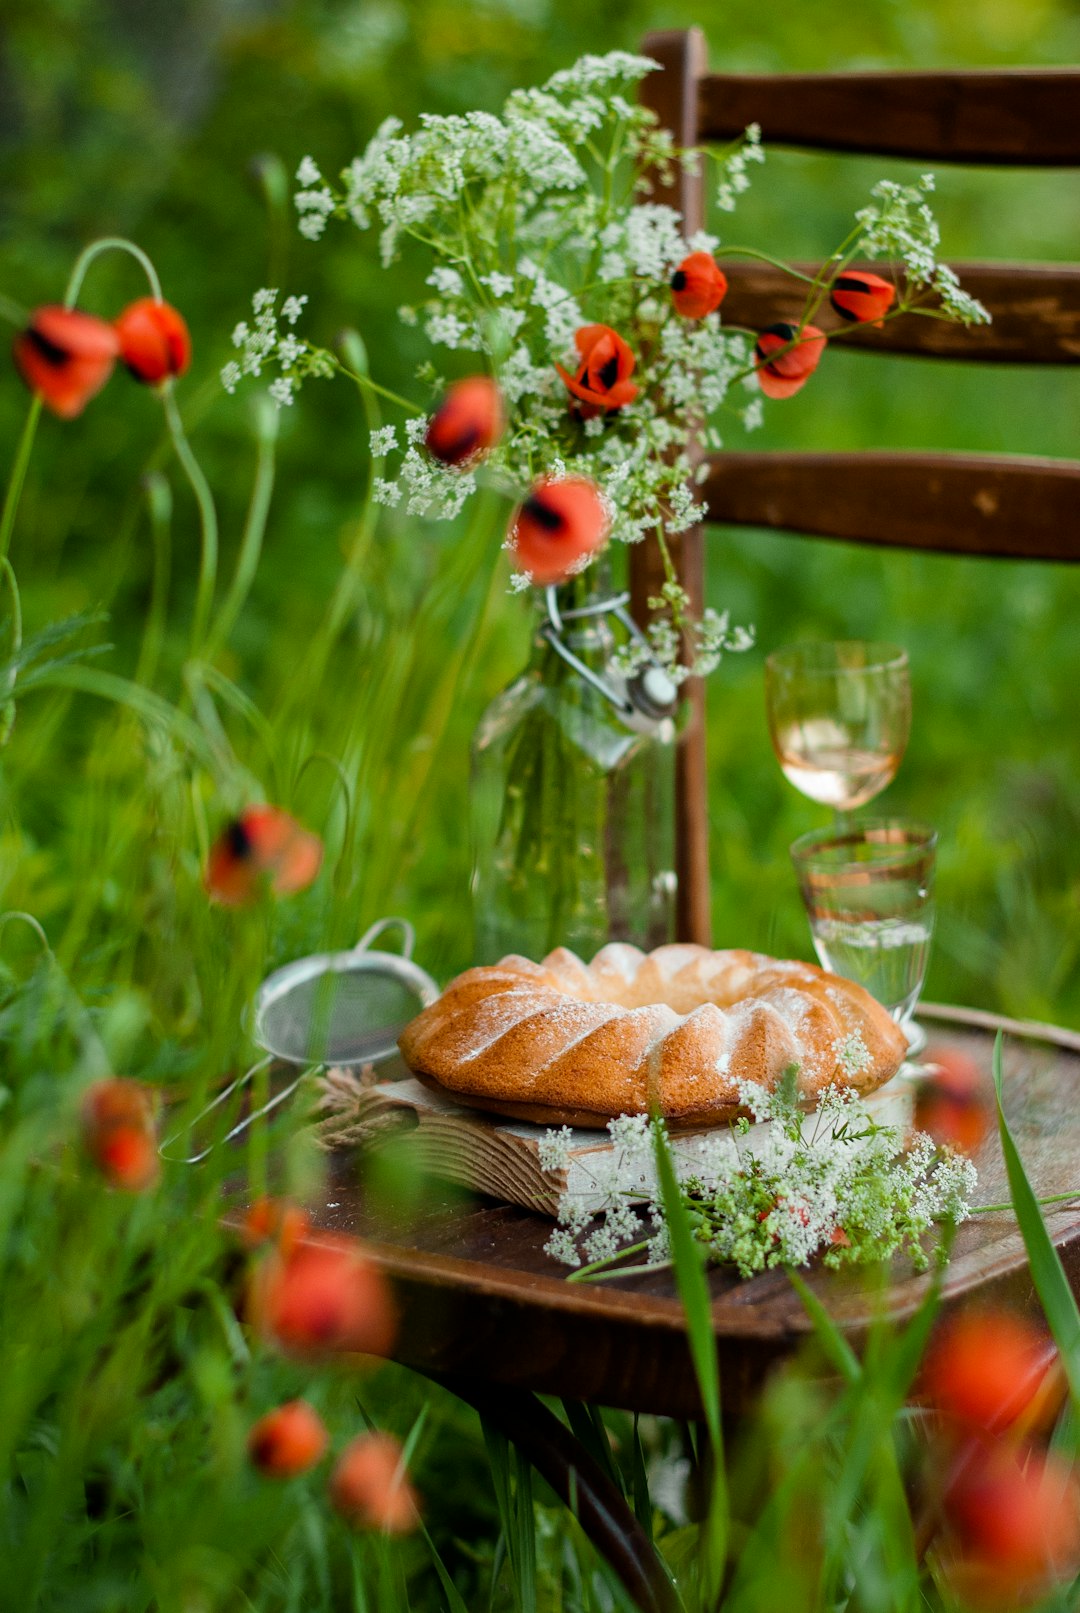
(839, 717)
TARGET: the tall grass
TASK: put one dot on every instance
(341, 672)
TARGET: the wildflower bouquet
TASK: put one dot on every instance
(837, 1182)
(594, 318)
(602, 368)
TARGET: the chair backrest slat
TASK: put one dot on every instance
(963, 504)
(975, 504)
(1035, 311)
(1021, 116)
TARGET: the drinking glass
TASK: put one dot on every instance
(869, 896)
(839, 717)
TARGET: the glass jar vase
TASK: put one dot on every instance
(573, 794)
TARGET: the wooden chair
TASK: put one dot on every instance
(994, 505)
(482, 1307)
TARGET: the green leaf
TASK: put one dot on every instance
(1047, 1272)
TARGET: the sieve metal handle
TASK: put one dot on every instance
(408, 935)
(241, 1126)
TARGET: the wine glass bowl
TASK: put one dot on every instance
(839, 718)
(869, 896)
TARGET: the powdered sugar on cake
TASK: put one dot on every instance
(681, 1029)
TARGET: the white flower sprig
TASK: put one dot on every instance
(835, 1183)
(262, 342)
(899, 223)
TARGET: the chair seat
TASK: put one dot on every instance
(481, 1301)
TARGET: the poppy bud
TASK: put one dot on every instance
(66, 357)
(263, 845)
(1012, 1525)
(369, 1487)
(557, 527)
(287, 1441)
(953, 1101)
(274, 1221)
(862, 298)
(796, 358)
(469, 421)
(154, 340)
(698, 286)
(984, 1368)
(602, 383)
(118, 1133)
(322, 1296)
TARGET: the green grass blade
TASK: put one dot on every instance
(454, 1602)
(587, 1426)
(689, 1263)
(643, 1508)
(835, 1345)
(525, 1530)
(1047, 1272)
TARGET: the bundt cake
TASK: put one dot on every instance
(564, 1042)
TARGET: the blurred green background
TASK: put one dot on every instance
(145, 118)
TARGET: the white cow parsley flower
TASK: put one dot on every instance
(261, 342)
(835, 1184)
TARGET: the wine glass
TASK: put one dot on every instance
(869, 896)
(839, 717)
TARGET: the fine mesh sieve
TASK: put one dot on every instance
(335, 1010)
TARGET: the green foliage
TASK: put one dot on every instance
(344, 667)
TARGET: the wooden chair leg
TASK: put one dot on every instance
(562, 1461)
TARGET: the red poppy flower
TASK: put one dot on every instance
(984, 1368)
(274, 1221)
(602, 382)
(264, 845)
(796, 358)
(698, 286)
(287, 1441)
(862, 298)
(469, 421)
(66, 357)
(321, 1297)
(557, 527)
(1012, 1525)
(954, 1102)
(118, 1133)
(369, 1486)
(154, 340)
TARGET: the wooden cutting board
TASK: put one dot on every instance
(506, 1160)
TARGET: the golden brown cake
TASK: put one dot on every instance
(564, 1042)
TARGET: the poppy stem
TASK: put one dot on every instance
(765, 257)
(368, 384)
(254, 527)
(583, 1273)
(109, 243)
(159, 505)
(999, 1209)
(207, 515)
(18, 475)
(7, 694)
